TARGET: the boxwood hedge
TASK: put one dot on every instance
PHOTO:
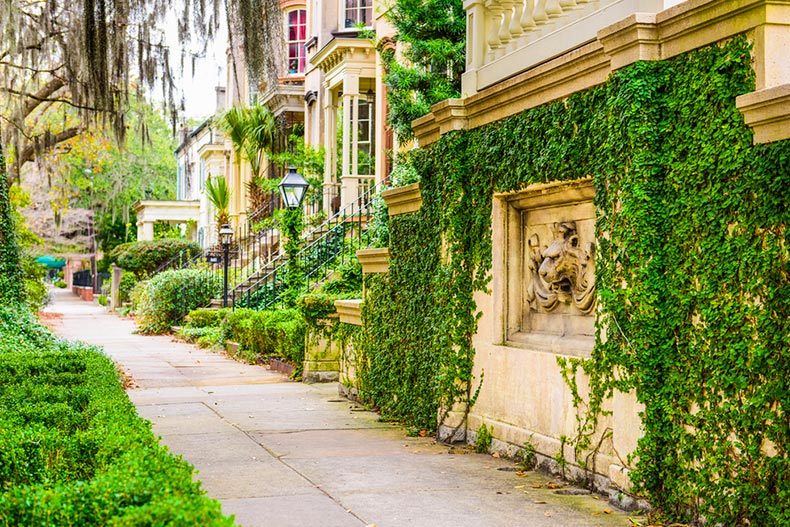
(73, 451)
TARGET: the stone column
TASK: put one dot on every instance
(348, 189)
(115, 288)
(330, 136)
(145, 230)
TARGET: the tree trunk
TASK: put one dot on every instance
(11, 279)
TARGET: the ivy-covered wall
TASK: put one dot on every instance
(692, 277)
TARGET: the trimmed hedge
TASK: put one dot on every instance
(279, 333)
(72, 450)
(142, 258)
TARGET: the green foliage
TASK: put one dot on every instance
(36, 295)
(433, 32)
(692, 267)
(60, 284)
(142, 258)
(205, 337)
(127, 284)
(218, 194)
(346, 279)
(308, 161)
(73, 451)
(117, 175)
(279, 333)
(483, 439)
(252, 130)
(292, 225)
(526, 456)
(102, 300)
(202, 318)
(11, 279)
(166, 298)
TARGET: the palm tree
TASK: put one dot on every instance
(252, 130)
(218, 193)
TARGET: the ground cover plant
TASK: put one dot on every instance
(73, 451)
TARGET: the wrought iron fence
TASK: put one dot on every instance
(329, 245)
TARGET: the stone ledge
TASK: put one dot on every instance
(374, 261)
(633, 39)
(350, 311)
(767, 112)
(403, 200)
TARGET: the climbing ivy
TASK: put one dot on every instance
(11, 279)
(692, 278)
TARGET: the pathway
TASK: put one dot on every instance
(279, 453)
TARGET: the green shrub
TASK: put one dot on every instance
(128, 281)
(483, 439)
(279, 333)
(347, 278)
(201, 318)
(72, 450)
(102, 300)
(163, 300)
(61, 284)
(142, 258)
(36, 295)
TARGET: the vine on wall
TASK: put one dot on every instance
(692, 273)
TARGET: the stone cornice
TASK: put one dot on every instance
(349, 311)
(767, 112)
(374, 261)
(403, 200)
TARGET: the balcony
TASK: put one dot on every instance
(507, 37)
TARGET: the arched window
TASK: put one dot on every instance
(297, 35)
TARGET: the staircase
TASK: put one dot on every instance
(326, 247)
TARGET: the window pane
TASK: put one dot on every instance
(364, 109)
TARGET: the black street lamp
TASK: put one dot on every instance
(293, 188)
(225, 238)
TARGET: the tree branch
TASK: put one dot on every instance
(28, 153)
(44, 95)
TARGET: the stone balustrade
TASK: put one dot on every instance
(506, 37)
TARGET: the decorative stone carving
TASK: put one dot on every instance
(562, 272)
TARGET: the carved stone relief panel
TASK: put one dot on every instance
(560, 272)
(550, 267)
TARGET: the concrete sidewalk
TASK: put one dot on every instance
(279, 453)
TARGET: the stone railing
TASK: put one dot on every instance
(506, 37)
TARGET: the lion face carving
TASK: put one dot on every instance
(560, 271)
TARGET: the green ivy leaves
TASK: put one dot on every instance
(692, 271)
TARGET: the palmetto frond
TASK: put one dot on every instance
(218, 193)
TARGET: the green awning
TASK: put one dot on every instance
(51, 262)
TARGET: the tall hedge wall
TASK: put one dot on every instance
(692, 277)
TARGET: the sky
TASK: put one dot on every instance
(198, 89)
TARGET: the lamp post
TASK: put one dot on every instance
(92, 232)
(293, 188)
(225, 238)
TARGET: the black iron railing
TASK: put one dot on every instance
(326, 247)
